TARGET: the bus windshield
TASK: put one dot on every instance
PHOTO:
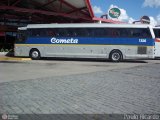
(157, 33)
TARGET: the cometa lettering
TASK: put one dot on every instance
(64, 41)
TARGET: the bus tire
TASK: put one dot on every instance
(116, 56)
(35, 54)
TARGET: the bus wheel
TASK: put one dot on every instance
(35, 54)
(115, 56)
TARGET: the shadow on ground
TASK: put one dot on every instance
(91, 60)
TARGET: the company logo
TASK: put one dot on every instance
(4, 117)
(142, 40)
(64, 41)
(10, 117)
(114, 12)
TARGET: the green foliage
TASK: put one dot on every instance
(5, 50)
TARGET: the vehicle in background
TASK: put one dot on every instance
(111, 41)
(157, 41)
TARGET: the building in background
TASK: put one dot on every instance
(17, 13)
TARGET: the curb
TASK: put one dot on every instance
(3, 53)
(3, 58)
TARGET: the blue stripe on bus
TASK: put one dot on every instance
(99, 41)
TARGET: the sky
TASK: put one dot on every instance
(131, 10)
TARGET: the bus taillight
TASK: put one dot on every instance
(157, 40)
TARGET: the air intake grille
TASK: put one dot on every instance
(142, 50)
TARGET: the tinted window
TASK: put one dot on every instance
(60, 32)
(122, 32)
(92, 32)
(37, 32)
(21, 37)
(75, 32)
(157, 33)
(101, 32)
(71, 32)
(50, 32)
(114, 32)
(125, 33)
(139, 33)
(81, 32)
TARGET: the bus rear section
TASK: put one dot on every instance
(157, 42)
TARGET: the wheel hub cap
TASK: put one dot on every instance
(35, 54)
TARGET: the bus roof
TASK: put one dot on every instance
(22, 28)
(156, 27)
(84, 25)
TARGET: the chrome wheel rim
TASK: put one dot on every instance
(115, 56)
(35, 54)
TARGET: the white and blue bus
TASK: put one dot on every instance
(111, 41)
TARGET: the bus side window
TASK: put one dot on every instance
(130, 32)
(146, 33)
(85, 32)
(135, 33)
(100, 32)
(50, 32)
(21, 36)
(35, 32)
(71, 32)
(68, 32)
(43, 32)
(158, 33)
(124, 33)
(89, 32)
(61, 32)
(80, 32)
(141, 33)
(75, 33)
(115, 32)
